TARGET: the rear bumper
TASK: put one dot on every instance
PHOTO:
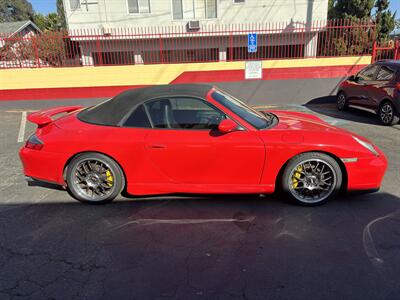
(366, 173)
(42, 165)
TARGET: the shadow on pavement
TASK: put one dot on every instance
(327, 106)
(202, 247)
(46, 185)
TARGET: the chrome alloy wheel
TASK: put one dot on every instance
(94, 179)
(386, 113)
(312, 181)
(341, 101)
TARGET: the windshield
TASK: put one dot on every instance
(259, 120)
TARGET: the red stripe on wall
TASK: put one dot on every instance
(186, 77)
(269, 74)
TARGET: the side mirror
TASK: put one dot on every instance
(352, 78)
(227, 126)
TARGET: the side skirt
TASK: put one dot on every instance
(159, 189)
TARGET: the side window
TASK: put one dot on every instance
(190, 113)
(368, 73)
(184, 113)
(386, 73)
(160, 112)
(138, 118)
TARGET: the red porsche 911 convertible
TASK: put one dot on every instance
(195, 139)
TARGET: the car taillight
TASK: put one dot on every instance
(34, 143)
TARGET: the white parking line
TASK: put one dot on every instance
(19, 111)
(21, 134)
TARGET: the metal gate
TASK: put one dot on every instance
(386, 50)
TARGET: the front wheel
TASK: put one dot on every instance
(312, 178)
(94, 178)
(341, 101)
(387, 114)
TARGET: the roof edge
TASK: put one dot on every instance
(28, 22)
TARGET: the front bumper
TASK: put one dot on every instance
(366, 173)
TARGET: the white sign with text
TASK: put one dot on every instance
(253, 69)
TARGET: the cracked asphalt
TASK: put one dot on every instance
(208, 247)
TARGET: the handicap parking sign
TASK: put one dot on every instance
(252, 43)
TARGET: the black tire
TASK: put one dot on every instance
(298, 178)
(341, 101)
(94, 178)
(387, 114)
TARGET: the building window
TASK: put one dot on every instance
(177, 9)
(138, 6)
(74, 4)
(194, 9)
(211, 9)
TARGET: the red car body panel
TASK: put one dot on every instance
(160, 161)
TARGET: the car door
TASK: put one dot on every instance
(382, 87)
(184, 145)
(363, 81)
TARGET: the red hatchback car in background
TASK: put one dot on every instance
(375, 89)
(196, 139)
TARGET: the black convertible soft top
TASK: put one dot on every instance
(111, 112)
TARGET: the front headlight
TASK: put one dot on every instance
(366, 145)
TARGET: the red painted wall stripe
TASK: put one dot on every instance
(269, 74)
(186, 77)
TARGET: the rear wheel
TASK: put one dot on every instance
(312, 178)
(94, 178)
(341, 101)
(387, 114)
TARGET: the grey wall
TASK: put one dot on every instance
(296, 91)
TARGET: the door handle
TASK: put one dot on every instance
(158, 146)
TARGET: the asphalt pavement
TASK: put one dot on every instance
(206, 247)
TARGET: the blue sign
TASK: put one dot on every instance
(252, 43)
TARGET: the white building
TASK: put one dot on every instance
(201, 21)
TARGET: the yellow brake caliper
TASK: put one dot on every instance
(110, 178)
(296, 176)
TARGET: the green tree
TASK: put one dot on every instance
(15, 10)
(384, 19)
(331, 9)
(50, 22)
(51, 48)
(61, 14)
(378, 10)
(354, 9)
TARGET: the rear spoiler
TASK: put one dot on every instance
(43, 117)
